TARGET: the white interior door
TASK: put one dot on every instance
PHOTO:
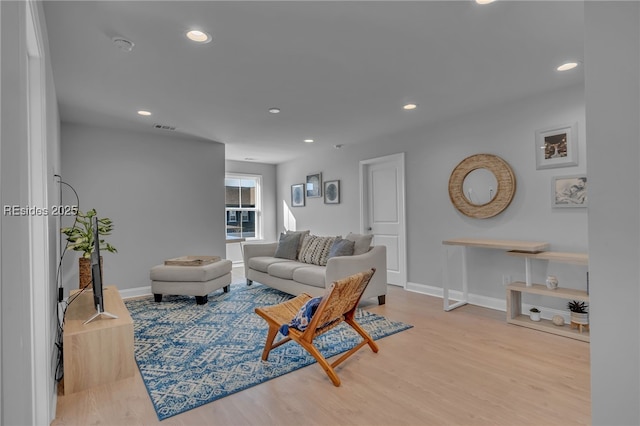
(382, 209)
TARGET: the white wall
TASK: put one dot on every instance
(26, 399)
(268, 173)
(432, 152)
(612, 82)
(164, 193)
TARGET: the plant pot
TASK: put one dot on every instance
(535, 316)
(84, 271)
(579, 318)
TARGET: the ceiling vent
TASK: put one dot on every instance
(164, 127)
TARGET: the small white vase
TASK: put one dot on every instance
(552, 282)
(535, 316)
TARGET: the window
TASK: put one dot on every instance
(243, 206)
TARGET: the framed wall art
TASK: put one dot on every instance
(557, 147)
(332, 192)
(297, 195)
(314, 185)
(569, 191)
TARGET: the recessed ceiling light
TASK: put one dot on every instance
(484, 1)
(568, 66)
(145, 113)
(199, 36)
(274, 110)
(308, 140)
(410, 106)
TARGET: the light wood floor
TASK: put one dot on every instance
(464, 367)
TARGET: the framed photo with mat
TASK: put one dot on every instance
(297, 195)
(332, 192)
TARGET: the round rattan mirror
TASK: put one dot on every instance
(506, 186)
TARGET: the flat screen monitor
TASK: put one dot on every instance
(96, 276)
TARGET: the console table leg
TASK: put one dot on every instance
(445, 281)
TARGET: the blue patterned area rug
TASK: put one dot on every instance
(190, 355)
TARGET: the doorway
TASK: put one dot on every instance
(382, 210)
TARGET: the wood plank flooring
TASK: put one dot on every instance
(464, 367)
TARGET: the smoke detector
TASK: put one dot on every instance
(123, 44)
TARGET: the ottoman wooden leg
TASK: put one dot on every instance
(157, 297)
(201, 300)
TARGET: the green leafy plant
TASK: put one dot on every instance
(80, 235)
(534, 310)
(577, 307)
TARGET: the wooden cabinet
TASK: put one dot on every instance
(516, 289)
(101, 351)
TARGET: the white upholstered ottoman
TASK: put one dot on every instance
(196, 281)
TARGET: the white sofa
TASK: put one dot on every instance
(294, 277)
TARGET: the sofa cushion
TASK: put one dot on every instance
(284, 269)
(362, 242)
(288, 246)
(312, 275)
(341, 247)
(262, 263)
(315, 250)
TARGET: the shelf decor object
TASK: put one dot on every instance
(557, 146)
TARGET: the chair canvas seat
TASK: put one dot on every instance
(337, 306)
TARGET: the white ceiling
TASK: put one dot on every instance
(340, 71)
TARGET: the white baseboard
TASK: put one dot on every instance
(128, 293)
(484, 301)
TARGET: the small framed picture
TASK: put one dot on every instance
(297, 195)
(569, 191)
(314, 185)
(557, 147)
(332, 192)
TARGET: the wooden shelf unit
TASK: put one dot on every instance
(515, 290)
(555, 256)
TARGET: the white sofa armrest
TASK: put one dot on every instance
(343, 266)
(250, 250)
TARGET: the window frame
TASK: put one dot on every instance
(258, 201)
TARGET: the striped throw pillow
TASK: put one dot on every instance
(315, 250)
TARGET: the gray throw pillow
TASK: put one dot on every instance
(341, 247)
(302, 235)
(362, 242)
(287, 246)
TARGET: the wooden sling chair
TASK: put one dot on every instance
(339, 304)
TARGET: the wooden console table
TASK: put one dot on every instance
(101, 351)
(507, 245)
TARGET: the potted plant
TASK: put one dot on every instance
(80, 238)
(534, 314)
(579, 313)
